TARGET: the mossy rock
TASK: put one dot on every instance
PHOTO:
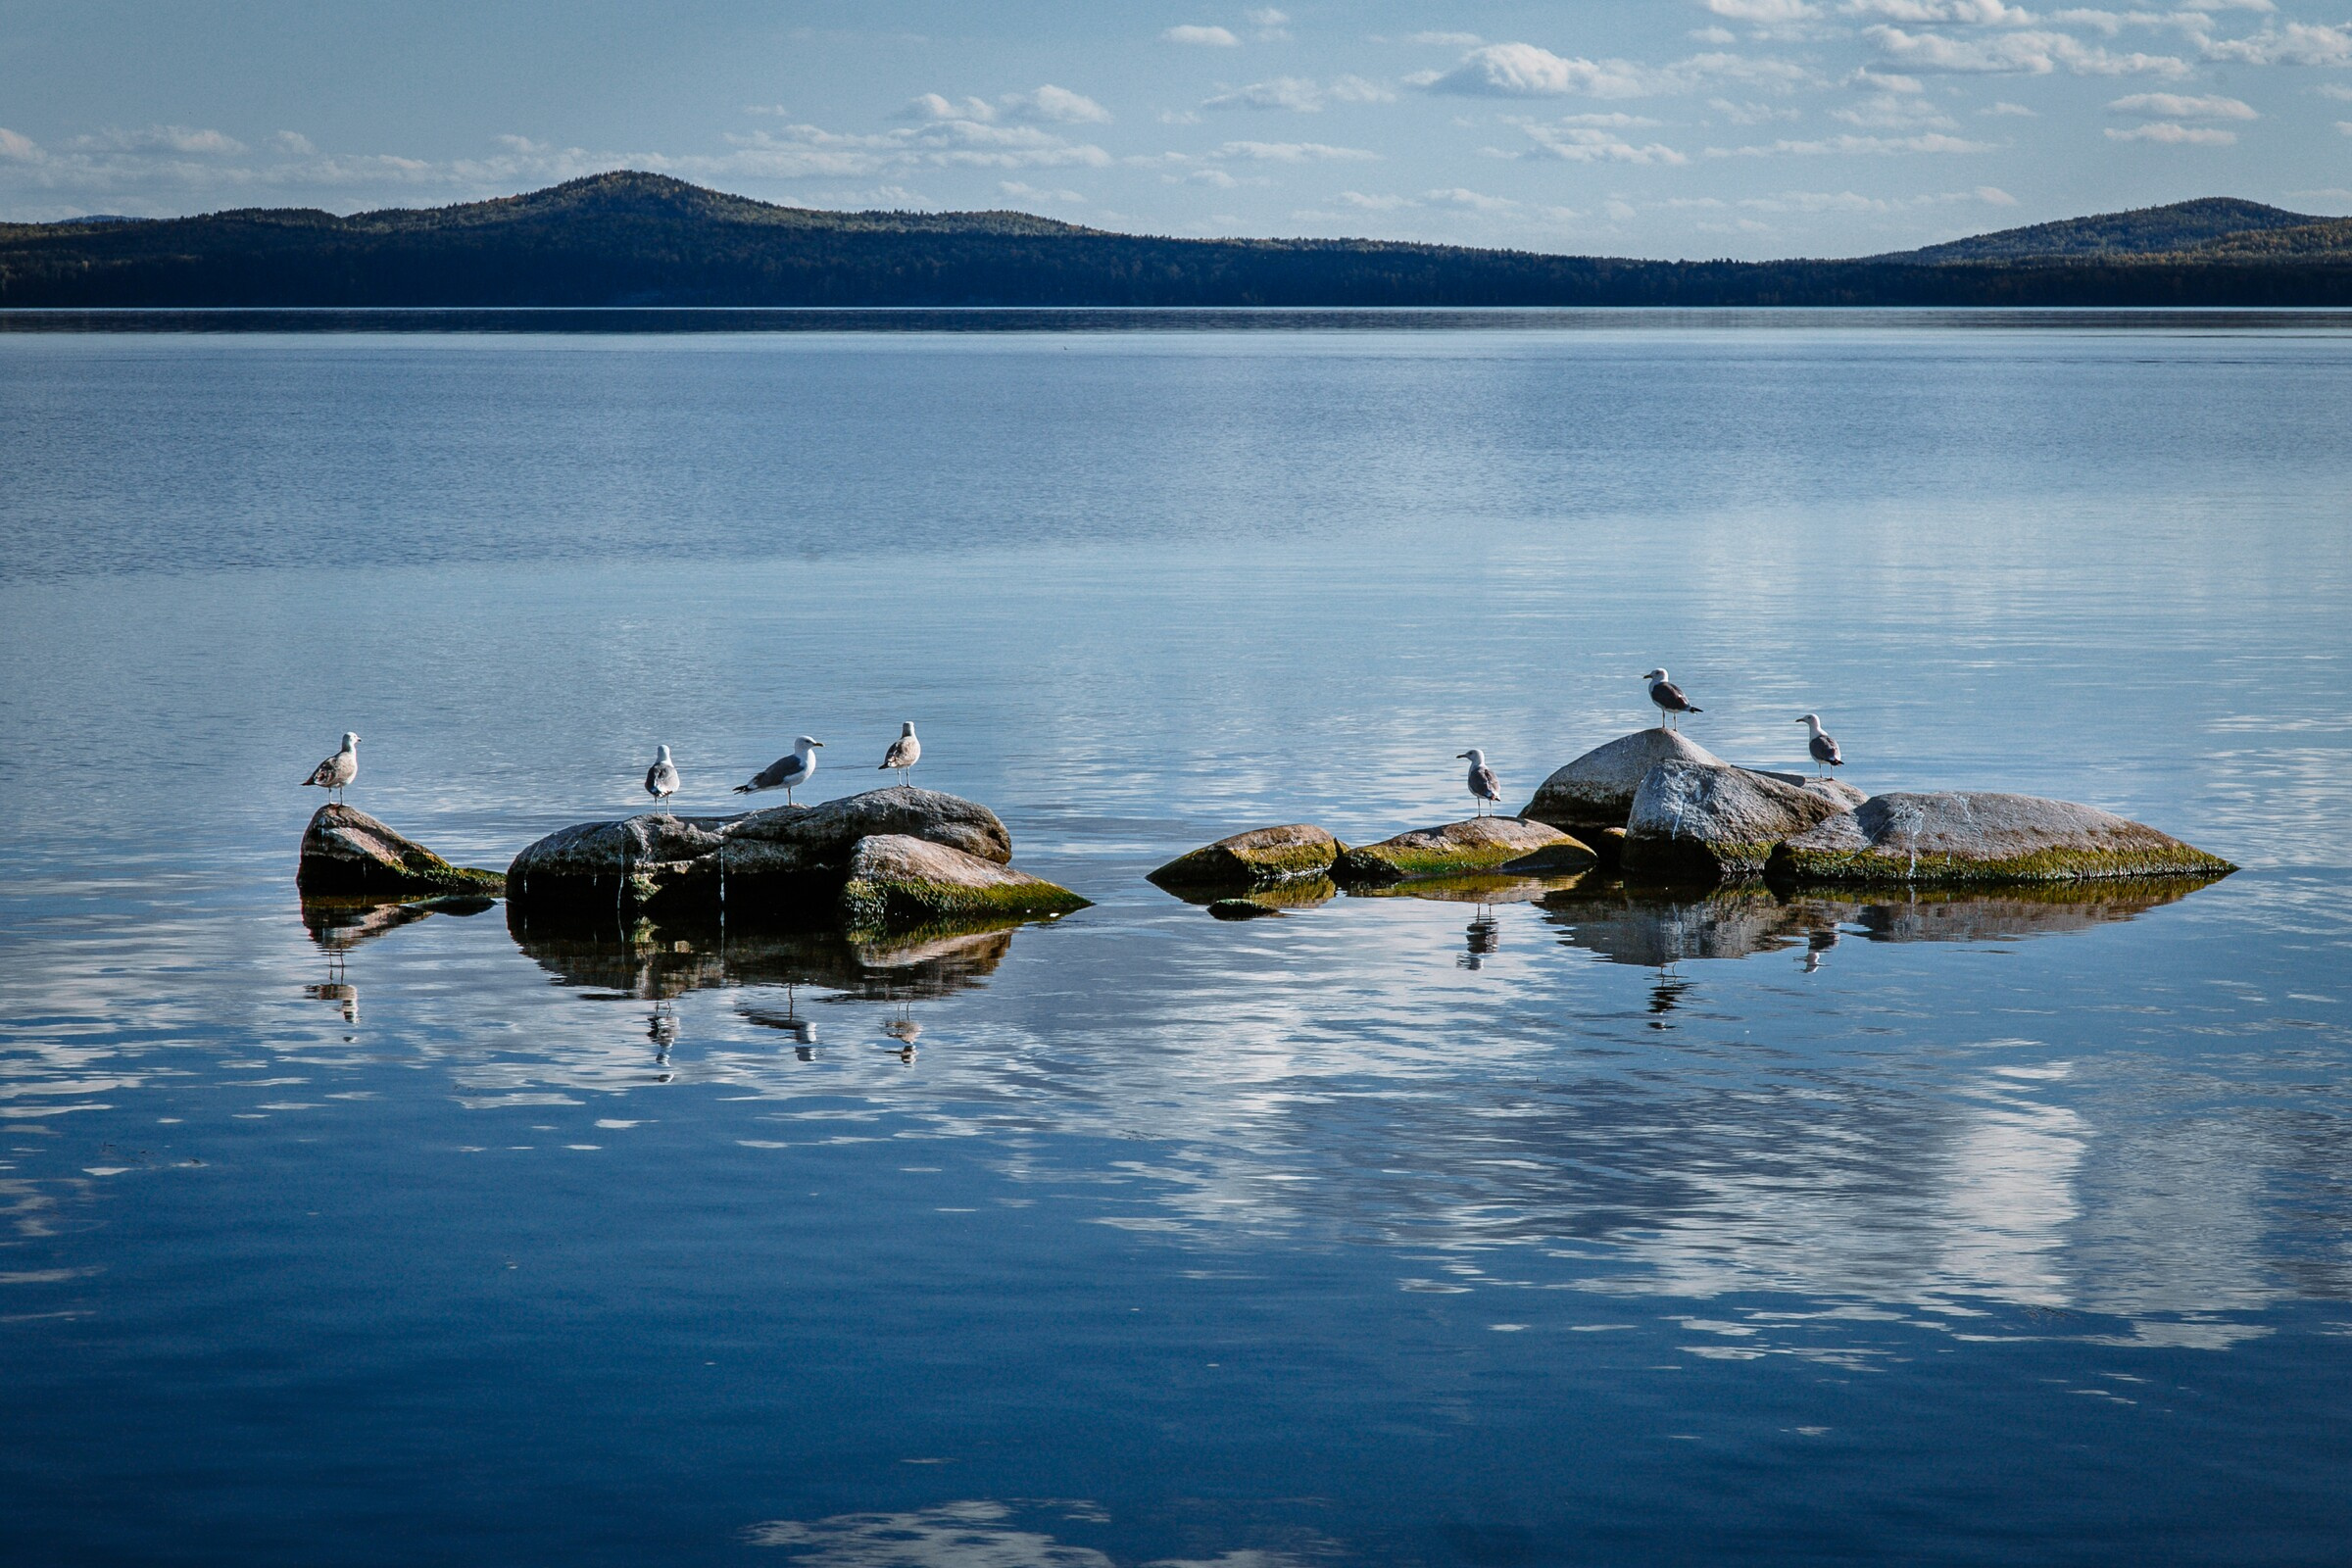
(348, 854)
(1714, 822)
(1461, 848)
(1260, 858)
(899, 881)
(1984, 839)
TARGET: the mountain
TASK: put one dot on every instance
(629, 238)
(2145, 231)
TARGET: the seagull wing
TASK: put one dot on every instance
(1485, 785)
(783, 770)
(1667, 694)
(901, 751)
(1825, 750)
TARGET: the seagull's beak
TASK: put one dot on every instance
(816, 743)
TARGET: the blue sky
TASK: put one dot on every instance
(1669, 127)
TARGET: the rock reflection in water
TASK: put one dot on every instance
(338, 926)
(1630, 923)
(654, 962)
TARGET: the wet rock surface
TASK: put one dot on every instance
(1260, 858)
(348, 854)
(1713, 821)
(1596, 791)
(1458, 848)
(1954, 837)
(896, 880)
(786, 862)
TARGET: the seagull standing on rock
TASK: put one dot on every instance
(1669, 697)
(1823, 745)
(903, 753)
(335, 773)
(787, 773)
(662, 779)
(1485, 788)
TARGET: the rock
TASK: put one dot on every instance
(346, 852)
(1715, 822)
(1241, 909)
(1953, 837)
(898, 880)
(786, 861)
(1477, 844)
(1596, 791)
(1256, 858)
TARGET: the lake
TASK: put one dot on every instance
(1580, 1224)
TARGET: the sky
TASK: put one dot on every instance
(1651, 127)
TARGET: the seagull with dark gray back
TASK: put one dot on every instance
(787, 773)
(1823, 745)
(335, 774)
(1669, 698)
(1485, 788)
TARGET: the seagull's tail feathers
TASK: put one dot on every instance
(746, 789)
(1692, 708)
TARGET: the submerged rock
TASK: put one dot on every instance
(1256, 858)
(348, 854)
(1596, 791)
(1979, 837)
(898, 880)
(1241, 909)
(1458, 848)
(786, 861)
(1712, 820)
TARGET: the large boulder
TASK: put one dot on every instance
(789, 861)
(1712, 821)
(1259, 857)
(1458, 848)
(1596, 791)
(1952, 837)
(896, 880)
(348, 854)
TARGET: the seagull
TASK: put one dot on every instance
(1823, 745)
(786, 772)
(1669, 697)
(903, 753)
(338, 770)
(1485, 787)
(662, 779)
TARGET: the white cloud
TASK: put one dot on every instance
(1752, 114)
(159, 139)
(1302, 94)
(1213, 37)
(1020, 191)
(1523, 70)
(294, 143)
(2033, 53)
(1057, 106)
(1926, 142)
(2177, 106)
(1269, 16)
(2004, 106)
(1469, 201)
(1575, 141)
(1374, 204)
(2296, 43)
(2164, 130)
(2344, 125)
(1767, 11)
(2336, 91)
(1047, 105)
(1979, 13)
(16, 147)
(1291, 152)
(1454, 40)
(1883, 110)
(800, 151)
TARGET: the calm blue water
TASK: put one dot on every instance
(1590, 1227)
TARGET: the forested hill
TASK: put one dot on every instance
(645, 239)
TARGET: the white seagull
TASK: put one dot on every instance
(1823, 745)
(1485, 788)
(338, 770)
(903, 753)
(787, 773)
(662, 779)
(1669, 697)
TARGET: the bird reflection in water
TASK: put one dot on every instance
(905, 1031)
(662, 1028)
(1818, 943)
(1666, 995)
(1483, 938)
(802, 1031)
